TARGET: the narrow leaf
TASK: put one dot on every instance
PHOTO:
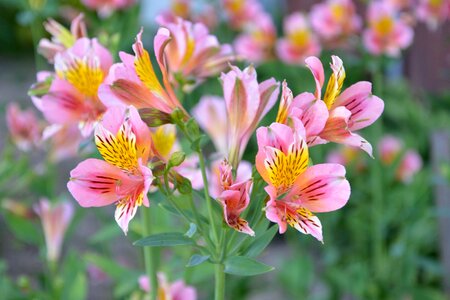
(197, 259)
(164, 240)
(192, 230)
(245, 266)
(261, 242)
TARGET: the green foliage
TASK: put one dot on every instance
(245, 266)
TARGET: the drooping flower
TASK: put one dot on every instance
(23, 126)
(387, 32)
(234, 198)
(296, 190)
(123, 177)
(62, 39)
(134, 81)
(299, 41)
(243, 173)
(335, 21)
(241, 13)
(433, 12)
(55, 220)
(177, 290)
(105, 8)
(193, 54)
(353, 109)
(256, 43)
(247, 102)
(72, 96)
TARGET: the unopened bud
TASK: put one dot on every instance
(154, 117)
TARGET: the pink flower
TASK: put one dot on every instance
(433, 12)
(335, 20)
(72, 96)
(64, 141)
(399, 5)
(123, 178)
(409, 166)
(106, 7)
(23, 126)
(389, 148)
(55, 221)
(257, 42)
(192, 53)
(387, 33)
(299, 41)
(62, 39)
(134, 81)
(247, 102)
(244, 173)
(235, 197)
(296, 190)
(177, 290)
(242, 12)
(353, 109)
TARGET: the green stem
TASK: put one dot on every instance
(149, 256)
(219, 287)
(207, 198)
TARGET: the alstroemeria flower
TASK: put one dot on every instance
(296, 190)
(134, 81)
(257, 41)
(353, 109)
(299, 41)
(387, 32)
(247, 102)
(234, 198)
(241, 13)
(193, 54)
(335, 20)
(72, 96)
(23, 126)
(433, 12)
(244, 173)
(55, 221)
(123, 177)
(389, 147)
(409, 166)
(177, 290)
(62, 39)
(105, 8)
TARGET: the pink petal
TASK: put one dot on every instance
(316, 67)
(124, 213)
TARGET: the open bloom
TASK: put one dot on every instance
(177, 290)
(389, 148)
(247, 102)
(257, 41)
(433, 12)
(241, 12)
(299, 41)
(72, 96)
(123, 177)
(62, 39)
(106, 7)
(387, 32)
(23, 126)
(409, 166)
(296, 190)
(353, 109)
(55, 221)
(235, 197)
(192, 53)
(335, 20)
(134, 81)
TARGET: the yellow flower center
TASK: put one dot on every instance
(85, 76)
(384, 26)
(300, 38)
(338, 11)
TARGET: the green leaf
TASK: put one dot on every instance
(105, 234)
(199, 142)
(192, 230)
(164, 240)
(197, 259)
(261, 242)
(245, 266)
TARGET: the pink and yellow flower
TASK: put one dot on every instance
(62, 39)
(247, 102)
(296, 190)
(72, 97)
(335, 20)
(387, 32)
(192, 53)
(299, 41)
(105, 8)
(123, 178)
(177, 290)
(241, 12)
(134, 81)
(256, 43)
(55, 221)
(23, 126)
(433, 12)
(234, 198)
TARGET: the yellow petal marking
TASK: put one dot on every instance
(145, 71)
(334, 86)
(163, 140)
(86, 76)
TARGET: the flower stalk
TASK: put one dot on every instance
(149, 256)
